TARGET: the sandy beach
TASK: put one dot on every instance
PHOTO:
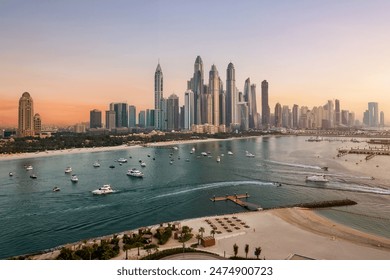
(281, 233)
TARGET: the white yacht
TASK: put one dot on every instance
(68, 169)
(218, 159)
(29, 167)
(96, 164)
(317, 178)
(230, 153)
(143, 164)
(192, 150)
(135, 173)
(106, 189)
(56, 189)
(11, 174)
(74, 178)
(248, 154)
(204, 154)
(122, 160)
(33, 176)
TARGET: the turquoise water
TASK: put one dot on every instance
(34, 218)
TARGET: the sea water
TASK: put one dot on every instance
(34, 218)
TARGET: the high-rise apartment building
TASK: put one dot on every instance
(26, 116)
(132, 116)
(337, 112)
(158, 96)
(231, 95)
(37, 123)
(253, 119)
(173, 112)
(265, 112)
(121, 114)
(142, 119)
(382, 119)
(295, 116)
(188, 109)
(95, 118)
(110, 119)
(214, 92)
(373, 114)
(196, 84)
(278, 115)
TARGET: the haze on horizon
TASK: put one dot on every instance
(75, 56)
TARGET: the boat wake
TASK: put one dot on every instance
(215, 186)
(294, 164)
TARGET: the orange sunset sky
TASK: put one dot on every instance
(75, 56)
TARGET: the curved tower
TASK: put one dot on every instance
(214, 91)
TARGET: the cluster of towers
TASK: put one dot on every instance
(210, 104)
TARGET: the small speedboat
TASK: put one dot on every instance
(68, 169)
(96, 164)
(171, 162)
(29, 167)
(33, 176)
(11, 174)
(56, 189)
(218, 159)
(112, 166)
(135, 173)
(230, 153)
(204, 154)
(105, 189)
(143, 164)
(317, 179)
(74, 178)
(248, 154)
(122, 160)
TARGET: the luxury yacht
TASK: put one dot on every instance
(74, 178)
(106, 189)
(68, 169)
(122, 160)
(135, 173)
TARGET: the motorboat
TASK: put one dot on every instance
(171, 162)
(33, 176)
(112, 166)
(105, 189)
(29, 167)
(122, 160)
(248, 154)
(96, 164)
(68, 169)
(218, 159)
(204, 154)
(230, 153)
(317, 178)
(11, 174)
(135, 173)
(187, 160)
(175, 148)
(74, 178)
(143, 164)
(56, 189)
(192, 150)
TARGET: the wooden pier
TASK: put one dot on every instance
(236, 198)
(364, 151)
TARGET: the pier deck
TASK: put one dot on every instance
(236, 198)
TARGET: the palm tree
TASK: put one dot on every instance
(212, 232)
(257, 252)
(201, 230)
(235, 249)
(199, 237)
(246, 250)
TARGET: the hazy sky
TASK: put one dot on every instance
(77, 55)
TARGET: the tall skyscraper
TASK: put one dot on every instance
(295, 116)
(243, 115)
(26, 116)
(158, 96)
(382, 119)
(110, 119)
(373, 114)
(132, 116)
(265, 113)
(248, 100)
(142, 119)
(278, 115)
(121, 114)
(188, 109)
(330, 111)
(196, 83)
(95, 118)
(337, 112)
(253, 119)
(173, 112)
(231, 96)
(285, 116)
(150, 118)
(214, 91)
(344, 117)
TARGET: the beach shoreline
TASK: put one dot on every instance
(281, 233)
